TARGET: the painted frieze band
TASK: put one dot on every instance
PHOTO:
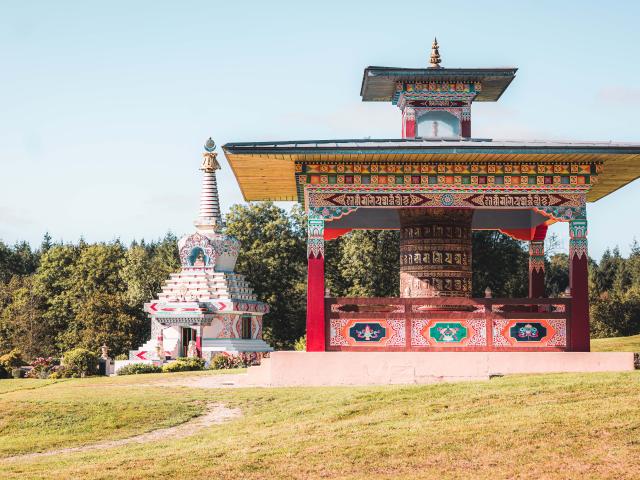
(394, 198)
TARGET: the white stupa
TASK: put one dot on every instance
(205, 308)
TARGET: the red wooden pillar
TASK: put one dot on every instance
(536, 269)
(315, 284)
(199, 341)
(465, 128)
(579, 285)
(409, 123)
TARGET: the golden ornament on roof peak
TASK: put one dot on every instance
(434, 61)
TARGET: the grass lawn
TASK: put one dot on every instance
(538, 426)
(616, 344)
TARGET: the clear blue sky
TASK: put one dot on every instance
(105, 105)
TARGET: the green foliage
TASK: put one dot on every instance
(614, 290)
(21, 319)
(80, 295)
(80, 362)
(273, 256)
(364, 263)
(300, 345)
(17, 260)
(500, 263)
(3, 372)
(184, 364)
(139, 368)
(122, 356)
(11, 360)
(615, 315)
(557, 274)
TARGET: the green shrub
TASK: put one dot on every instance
(184, 364)
(3, 372)
(60, 371)
(12, 360)
(80, 362)
(615, 315)
(122, 356)
(300, 345)
(17, 373)
(138, 368)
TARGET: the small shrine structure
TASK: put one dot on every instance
(436, 185)
(206, 308)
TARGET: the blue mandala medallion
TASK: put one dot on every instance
(446, 200)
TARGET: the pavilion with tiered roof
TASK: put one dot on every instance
(436, 185)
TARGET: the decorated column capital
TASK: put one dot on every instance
(409, 114)
(315, 235)
(536, 256)
(578, 237)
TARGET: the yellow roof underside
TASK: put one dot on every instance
(272, 176)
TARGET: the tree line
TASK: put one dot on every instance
(60, 296)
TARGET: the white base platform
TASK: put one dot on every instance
(388, 368)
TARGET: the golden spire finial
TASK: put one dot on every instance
(434, 61)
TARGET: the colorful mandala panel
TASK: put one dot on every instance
(366, 333)
(530, 333)
(449, 333)
(371, 332)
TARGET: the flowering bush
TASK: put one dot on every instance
(43, 367)
(225, 360)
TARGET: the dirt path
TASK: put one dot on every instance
(216, 413)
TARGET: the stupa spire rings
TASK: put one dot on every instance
(434, 61)
(209, 218)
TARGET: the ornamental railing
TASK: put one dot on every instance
(447, 324)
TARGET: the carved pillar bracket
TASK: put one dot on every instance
(536, 256)
(536, 269)
(578, 237)
(315, 235)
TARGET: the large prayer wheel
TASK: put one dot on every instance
(435, 252)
